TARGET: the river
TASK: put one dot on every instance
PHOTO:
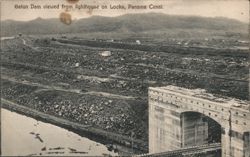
(22, 136)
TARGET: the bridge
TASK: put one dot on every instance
(188, 151)
(180, 118)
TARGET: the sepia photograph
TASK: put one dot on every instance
(136, 78)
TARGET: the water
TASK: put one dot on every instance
(22, 135)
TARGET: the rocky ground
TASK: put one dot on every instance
(72, 79)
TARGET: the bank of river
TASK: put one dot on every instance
(22, 135)
(124, 145)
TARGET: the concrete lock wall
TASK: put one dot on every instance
(246, 137)
(235, 144)
(175, 121)
(194, 130)
(165, 129)
(171, 130)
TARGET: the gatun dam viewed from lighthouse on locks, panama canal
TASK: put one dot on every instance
(137, 84)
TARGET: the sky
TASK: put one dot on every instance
(235, 9)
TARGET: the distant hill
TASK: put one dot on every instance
(125, 23)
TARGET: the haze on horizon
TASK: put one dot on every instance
(234, 9)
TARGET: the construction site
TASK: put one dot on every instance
(103, 84)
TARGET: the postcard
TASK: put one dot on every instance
(144, 78)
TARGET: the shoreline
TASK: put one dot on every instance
(88, 131)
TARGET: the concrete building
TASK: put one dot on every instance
(176, 120)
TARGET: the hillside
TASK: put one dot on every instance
(125, 23)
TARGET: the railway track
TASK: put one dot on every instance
(185, 151)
